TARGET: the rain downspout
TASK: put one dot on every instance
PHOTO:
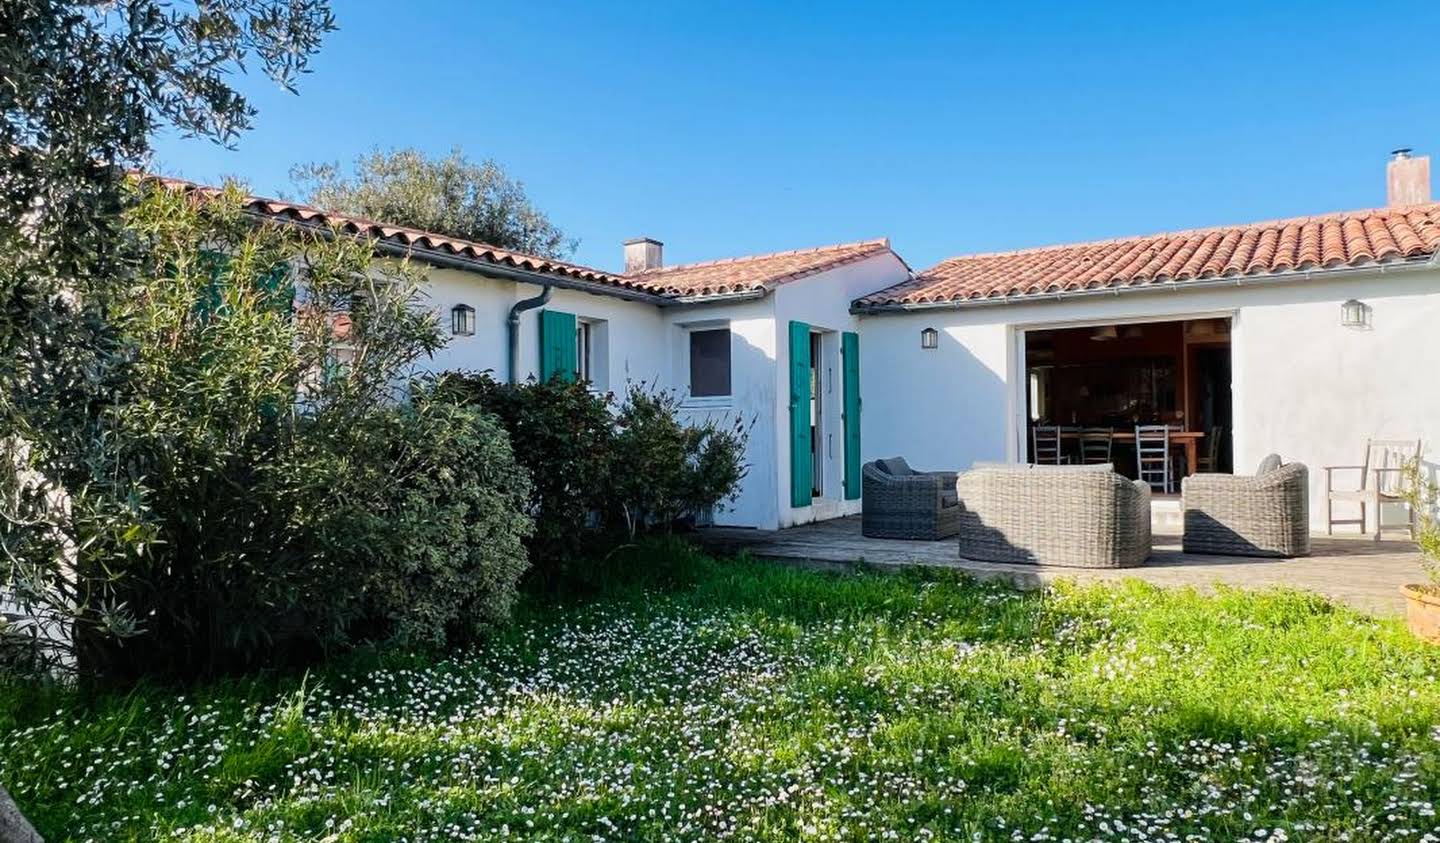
(514, 322)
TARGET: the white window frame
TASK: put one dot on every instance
(702, 401)
(592, 352)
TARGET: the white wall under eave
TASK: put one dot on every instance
(644, 345)
(1314, 391)
(491, 298)
(635, 347)
(939, 409)
(1303, 385)
(752, 400)
(633, 336)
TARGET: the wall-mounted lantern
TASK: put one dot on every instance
(1355, 314)
(929, 339)
(462, 320)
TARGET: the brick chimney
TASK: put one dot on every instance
(643, 253)
(1407, 179)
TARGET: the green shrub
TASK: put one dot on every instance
(255, 488)
(600, 470)
(671, 470)
(563, 434)
(446, 549)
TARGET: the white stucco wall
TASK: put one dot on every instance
(752, 396)
(633, 342)
(491, 298)
(1313, 391)
(1303, 385)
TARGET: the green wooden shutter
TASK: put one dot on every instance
(850, 353)
(557, 345)
(800, 479)
(276, 283)
(212, 297)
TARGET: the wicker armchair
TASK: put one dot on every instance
(1264, 515)
(899, 502)
(1075, 516)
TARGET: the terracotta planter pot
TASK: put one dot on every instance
(1422, 611)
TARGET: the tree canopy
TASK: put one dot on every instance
(451, 195)
(86, 85)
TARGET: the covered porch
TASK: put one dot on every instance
(1356, 571)
(1090, 387)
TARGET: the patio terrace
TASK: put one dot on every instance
(1355, 570)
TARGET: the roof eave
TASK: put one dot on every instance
(717, 298)
(1431, 261)
(436, 257)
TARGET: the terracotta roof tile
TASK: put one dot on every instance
(360, 226)
(719, 277)
(756, 272)
(1350, 238)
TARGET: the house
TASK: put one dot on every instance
(769, 339)
(1304, 336)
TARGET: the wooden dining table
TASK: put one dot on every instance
(1187, 439)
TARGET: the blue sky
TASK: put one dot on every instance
(951, 128)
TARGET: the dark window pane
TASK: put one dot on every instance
(710, 362)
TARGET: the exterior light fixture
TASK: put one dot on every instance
(462, 320)
(1355, 314)
(929, 339)
(1104, 333)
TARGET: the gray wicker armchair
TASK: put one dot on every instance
(899, 502)
(1077, 516)
(1264, 515)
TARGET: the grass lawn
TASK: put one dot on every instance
(755, 702)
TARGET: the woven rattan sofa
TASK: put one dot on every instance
(1077, 516)
(1267, 514)
(898, 502)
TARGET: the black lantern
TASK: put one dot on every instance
(462, 320)
(929, 338)
(1354, 314)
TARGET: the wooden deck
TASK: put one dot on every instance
(1354, 570)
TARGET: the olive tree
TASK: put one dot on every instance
(86, 84)
(451, 195)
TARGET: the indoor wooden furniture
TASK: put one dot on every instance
(1096, 445)
(1188, 440)
(1211, 461)
(1046, 442)
(1381, 481)
(1152, 456)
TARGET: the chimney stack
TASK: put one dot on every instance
(1407, 179)
(642, 253)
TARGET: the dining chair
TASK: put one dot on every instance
(1152, 456)
(1097, 444)
(1045, 443)
(1210, 460)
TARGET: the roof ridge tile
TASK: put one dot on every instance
(869, 244)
